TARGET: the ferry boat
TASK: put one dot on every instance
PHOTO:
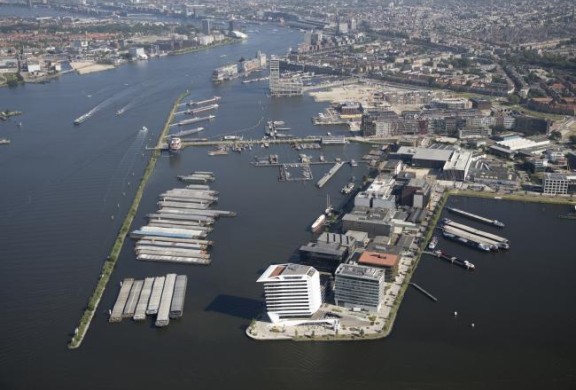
(82, 118)
(175, 143)
(218, 152)
(433, 242)
(318, 223)
(232, 138)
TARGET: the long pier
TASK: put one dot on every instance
(329, 174)
(432, 297)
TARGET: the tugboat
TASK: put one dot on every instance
(175, 144)
(433, 242)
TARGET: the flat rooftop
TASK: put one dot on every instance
(378, 259)
(279, 272)
(360, 272)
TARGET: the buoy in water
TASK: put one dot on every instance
(455, 314)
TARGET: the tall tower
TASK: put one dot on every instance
(274, 80)
(206, 26)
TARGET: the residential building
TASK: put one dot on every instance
(291, 291)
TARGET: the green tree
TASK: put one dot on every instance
(555, 135)
(513, 99)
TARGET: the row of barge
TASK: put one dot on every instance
(177, 231)
(467, 235)
(472, 237)
(162, 296)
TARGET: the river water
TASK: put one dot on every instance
(66, 189)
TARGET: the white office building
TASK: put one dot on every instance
(292, 291)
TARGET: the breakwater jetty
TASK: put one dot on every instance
(109, 264)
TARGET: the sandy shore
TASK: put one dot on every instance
(345, 93)
(85, 67)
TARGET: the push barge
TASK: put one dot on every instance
(475, 217)
(455, 260)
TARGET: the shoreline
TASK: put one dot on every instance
(388, 322)
(110, 263)
(89, 67)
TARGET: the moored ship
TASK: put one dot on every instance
(175, 143)
(433, 242)
(476, 217)
(347, 188)
(318, 223)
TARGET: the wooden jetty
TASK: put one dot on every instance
(432, 297)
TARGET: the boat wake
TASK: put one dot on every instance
(122, 176)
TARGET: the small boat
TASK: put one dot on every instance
(218, 152)
(353, 163)
(321, 158)
(175, 143)
(347, 188)
(433, 242)
(82, 118)
(4, 141)
(144, 129)
(232, 138)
